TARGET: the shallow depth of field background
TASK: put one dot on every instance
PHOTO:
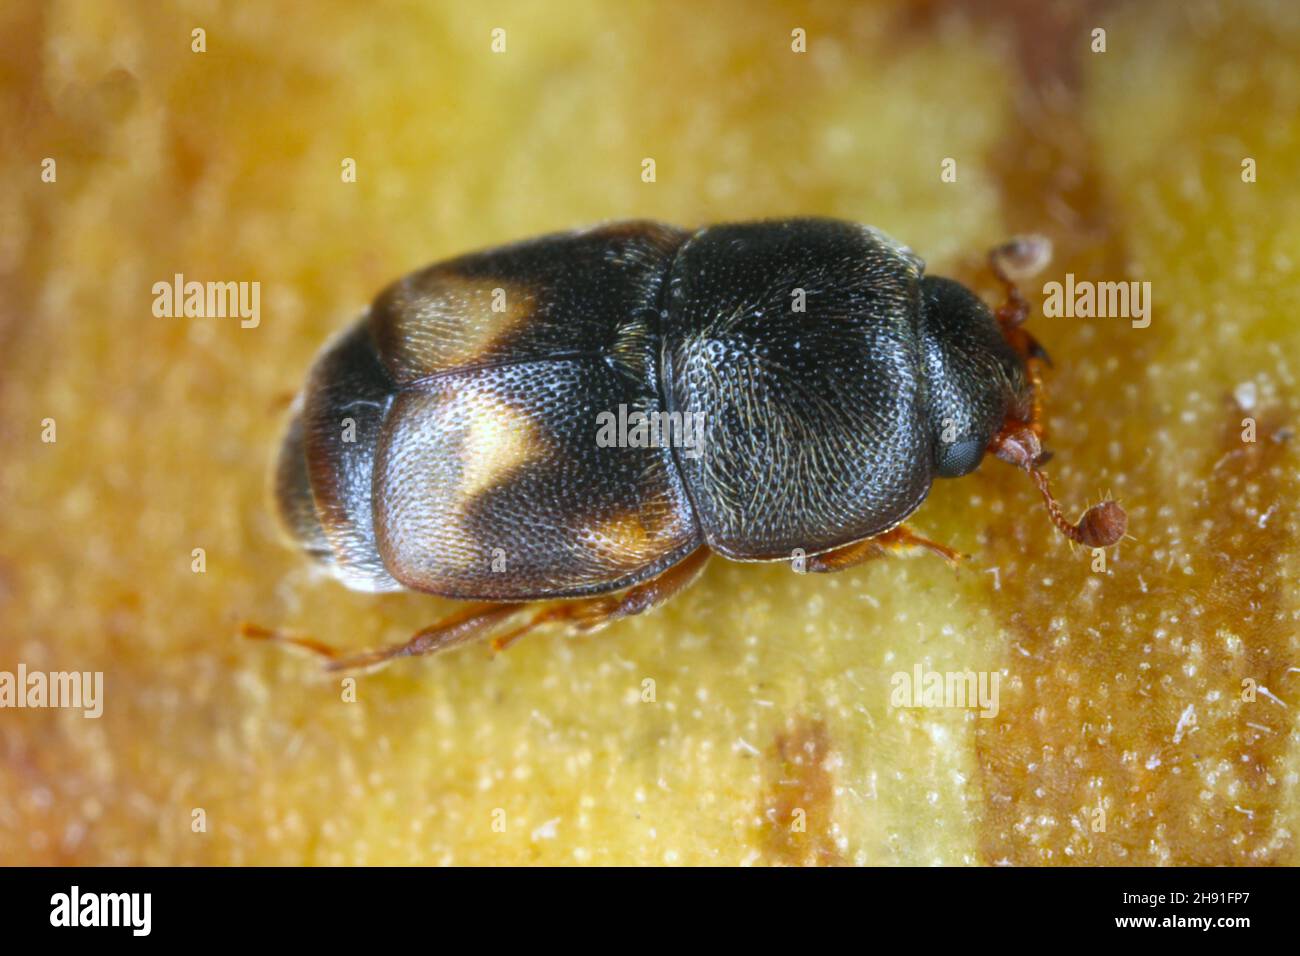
(1121, 691)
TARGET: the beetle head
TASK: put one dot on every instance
(974, 378)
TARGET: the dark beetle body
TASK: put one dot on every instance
(473, 469)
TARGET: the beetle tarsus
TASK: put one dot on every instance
(898, 538)
(256, 632)
(465, 625)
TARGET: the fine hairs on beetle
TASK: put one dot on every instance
(449, 441)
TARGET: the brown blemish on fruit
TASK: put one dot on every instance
(1125, 690)
(1045, 37)
(798, 800)
(1045, 162)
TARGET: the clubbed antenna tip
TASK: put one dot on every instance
(1101, 525)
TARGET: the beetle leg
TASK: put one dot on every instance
(897, 538)
(479, 620)
(1020, 258)
(1100, 526)
(590, 614)
(1020, 442)
(466, 624)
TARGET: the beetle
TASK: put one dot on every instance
(448, 442)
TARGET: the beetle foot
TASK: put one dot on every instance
(256, 632)
(475, 621)
(898, 538)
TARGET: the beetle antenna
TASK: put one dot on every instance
(1101, 525)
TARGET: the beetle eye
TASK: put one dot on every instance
(959, 458)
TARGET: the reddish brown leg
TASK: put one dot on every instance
(480, 620)
(1021, 258)
(1020, 442)
(470, 622)
(590, 614)
(897, 538)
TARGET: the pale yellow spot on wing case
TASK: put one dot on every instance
(447, 322)
(499, 440)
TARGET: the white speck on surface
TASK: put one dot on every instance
(547, 830)
(1272, 696)
(1185, 723)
